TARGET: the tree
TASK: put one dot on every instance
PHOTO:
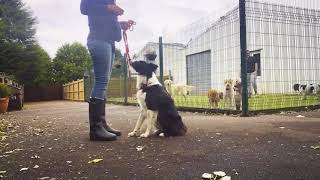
(18, 22)
(20, 55)
(71, 62)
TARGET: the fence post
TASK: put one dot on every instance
(161, 59)
(125, 73)
(243, 47)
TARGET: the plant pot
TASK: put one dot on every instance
(4, 104)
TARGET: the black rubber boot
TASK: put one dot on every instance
(105, 125)
(97, 130)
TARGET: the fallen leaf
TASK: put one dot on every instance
(282, 127)
(43, 178)
(95, 161)
(35, 157)
(10, 126)
(69, 162)
(18, 150)
(9, 152)
(219, 173)
(300, 116)
(207, 176)
(139, 148)
(225, 178)
(24, 169)
(4, 138)
(218, 134)
(3, 172)
(36, 167)
(315, 147)
(161, 134)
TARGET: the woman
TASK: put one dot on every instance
(104, 31)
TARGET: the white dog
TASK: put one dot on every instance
(156, 106)
(229, 93)
(177, 89)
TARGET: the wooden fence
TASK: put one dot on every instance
(80, 90)
(42, 93)
(74, 91)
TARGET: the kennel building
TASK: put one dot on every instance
(284, 39)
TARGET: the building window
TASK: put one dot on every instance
(257, 56)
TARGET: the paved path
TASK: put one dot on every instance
(54, 136)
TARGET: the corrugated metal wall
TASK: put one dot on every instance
(223, 40)
(199, 72)
(290, 41)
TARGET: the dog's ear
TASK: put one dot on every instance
(137, 66)
(153, 67)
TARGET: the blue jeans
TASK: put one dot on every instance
(252, 83)
(102, 55)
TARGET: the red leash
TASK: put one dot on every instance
(125, 39)
(127, 54)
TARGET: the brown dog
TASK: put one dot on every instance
(214, 97)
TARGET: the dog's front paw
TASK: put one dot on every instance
(132, 134)
(145, 135)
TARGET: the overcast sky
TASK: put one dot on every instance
(60, 21)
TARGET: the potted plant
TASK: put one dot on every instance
(4, 97)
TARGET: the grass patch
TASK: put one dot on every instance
(259, 102)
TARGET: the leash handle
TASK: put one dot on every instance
(131, 25)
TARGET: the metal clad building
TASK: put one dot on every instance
(285, 40)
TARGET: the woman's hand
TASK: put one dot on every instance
(125, 25)
(115, 9)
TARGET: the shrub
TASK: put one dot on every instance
(4, 91)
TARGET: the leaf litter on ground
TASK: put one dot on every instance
(216, 175)
(24, 169)
(95, 161)
(315, 147)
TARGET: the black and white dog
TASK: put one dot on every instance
(307, 89)
(156, 105)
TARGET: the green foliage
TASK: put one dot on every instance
(20, 55)
(18, 23)
(119, 61)
(70, 63)
(4, 91)
(27, 64)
